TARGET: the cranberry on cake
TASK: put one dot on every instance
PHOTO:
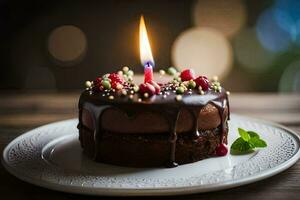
(153, 124)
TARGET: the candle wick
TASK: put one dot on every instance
(148, 64)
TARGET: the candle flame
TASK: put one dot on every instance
(145, 49)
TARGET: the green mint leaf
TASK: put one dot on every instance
(248, 141)
(244, 134)
(252, 134)
(241, 146)
(257, 142)
(237, 143)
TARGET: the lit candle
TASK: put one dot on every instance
(145, 53)
(148, 73)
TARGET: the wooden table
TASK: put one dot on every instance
(22, 112)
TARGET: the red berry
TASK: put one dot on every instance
(115, 79)
(156, 86)
(203, 82)
(97, 84)
(97, 81)
(147, 88)
(114, 84)
(221, 150)
(187, 74)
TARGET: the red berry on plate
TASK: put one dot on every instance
(147, 88)
(156, 86)
(203, 82)
(187, 74)
(221, 150)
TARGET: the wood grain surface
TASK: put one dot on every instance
(22, 112)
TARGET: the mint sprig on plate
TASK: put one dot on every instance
(248, 141)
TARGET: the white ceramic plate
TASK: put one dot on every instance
(50, 156)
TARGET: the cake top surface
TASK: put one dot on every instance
(173, 87)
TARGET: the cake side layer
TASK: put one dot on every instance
(152, 150)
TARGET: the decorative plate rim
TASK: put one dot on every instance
(157, 191)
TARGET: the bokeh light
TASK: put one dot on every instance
(67, 44)
(206, 50)
(250, 53)
(290, 79)
(288, 17)
(263, 37)
(271, 34)
(226, 16)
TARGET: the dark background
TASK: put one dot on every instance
(111, 32)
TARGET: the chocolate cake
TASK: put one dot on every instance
(165, 124)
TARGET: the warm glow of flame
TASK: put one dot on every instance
(145, 49)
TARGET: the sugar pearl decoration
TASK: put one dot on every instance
(111, 97)
(146, 95)
(162, 72)
(178, 97)
(131, 96)
(125, 69)
(124, 92)
(228, 93)
(136, 88)
(105, 76)
(139, 100)
(119, 87)
(215, 78)
(120, 72)
(88, 84)
(130, 73)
